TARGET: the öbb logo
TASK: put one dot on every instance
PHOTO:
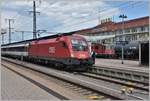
(51, 49)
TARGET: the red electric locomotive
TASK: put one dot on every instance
(69, 51)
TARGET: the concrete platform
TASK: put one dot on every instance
(15, 87)
(116, 63)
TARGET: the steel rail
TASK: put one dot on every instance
(18, 68)
(57, 95)
(117, 81)
(135, 76)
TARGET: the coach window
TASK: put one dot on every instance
(22, 48)
(19, 48)
(7, 49)
(3, 49)
(10, 49)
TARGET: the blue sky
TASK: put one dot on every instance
(67, 15)
(136, 10)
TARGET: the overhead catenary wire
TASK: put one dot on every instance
(102, 10)
(29, 21)
(87, 20)
(75, 24)
(69, 16)
(120, 6)
(105, 9)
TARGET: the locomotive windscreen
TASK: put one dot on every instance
(79, 45)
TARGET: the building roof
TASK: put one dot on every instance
(113, 26)
(133, 23)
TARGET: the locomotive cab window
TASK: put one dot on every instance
(79, 45)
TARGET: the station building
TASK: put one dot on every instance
(135, 30)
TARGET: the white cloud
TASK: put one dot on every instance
(7, 15)
(63, 12)
(22, 3)
(75, 11)
(19, 20)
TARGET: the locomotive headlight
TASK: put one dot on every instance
(82, 56)
(72, 55)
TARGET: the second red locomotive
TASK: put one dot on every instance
(103, 51)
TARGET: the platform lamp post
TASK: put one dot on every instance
(122, 17)
(139, 53)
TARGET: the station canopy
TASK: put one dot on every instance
(96, 38)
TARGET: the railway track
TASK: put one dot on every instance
(86, 93)
(85, 82)
(59, 96)
(128, 83)
(124, 74)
